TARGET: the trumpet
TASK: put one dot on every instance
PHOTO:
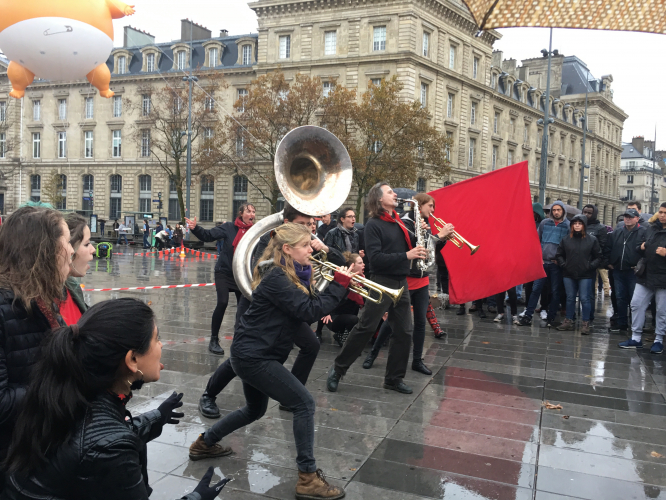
(455, 237)
(363, 286)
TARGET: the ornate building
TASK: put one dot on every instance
(487, 105)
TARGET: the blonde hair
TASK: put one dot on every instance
(287, 234)
(350, 258)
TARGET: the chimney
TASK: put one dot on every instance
(224, 33)
(638, 143)
(133, 37)
(189, 30)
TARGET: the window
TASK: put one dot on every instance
(376, 81)
(146, 105)
(62, 109)
(452, 57)
(37, 110)
(493, 80)
(122, 65)
(116, 196)
(424, 95)
(509, 157)
(285, 47)
(472, 147)
(240, 193)
(449, 106)
(177, 105)
(420, 185)
(61, 201)
(3, 111)
(174, 206)
(379, 38)
(145, 143)
(88, 143)
(3, 144)
(150, 63)
(88, 186)
(475, 68)
(247, 56)
(207, 199)
(449, 143)
(494, 157)
(242, 95)
(426, 43)
(496, 122)
(472, 114)
(116, 144)
(240, 142)
(330, 43)
(145, 193)
(327, 88)
(630, 179)
(630, 194)
(62, 144)
(376, 147)
(117, 106)
(512, 127)
(209, 103)
(90, 109)
(36, 145)
(212, 57)
(208, 138)
(35, 187)
(526, 134)
(182, 59)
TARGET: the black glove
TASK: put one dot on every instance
(167, 408)
(210, 492)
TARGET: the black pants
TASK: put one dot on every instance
(611, 282)
(304, 339)
(443, 278)
(223, 285)
(513, 301)
(400, 319)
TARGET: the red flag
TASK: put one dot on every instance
(494, 211)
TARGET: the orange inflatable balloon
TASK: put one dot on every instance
(59, 40)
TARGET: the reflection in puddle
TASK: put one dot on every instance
(261, 479)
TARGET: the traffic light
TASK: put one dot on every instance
(159, 205)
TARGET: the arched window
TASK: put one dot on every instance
(61, 193)
(207, 199)
(88, 187)
(145, 193)
(35, 188)
(115, 203)
(240, 193)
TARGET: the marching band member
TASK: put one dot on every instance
(230, 233)
(390, 248)
(282, 300)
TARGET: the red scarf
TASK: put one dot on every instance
(242, 229)
(396, 220)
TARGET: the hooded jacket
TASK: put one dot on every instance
(596, 228)
(539, 215)
(621, 249)
(655, 270)
(579, 254)
(551, 234)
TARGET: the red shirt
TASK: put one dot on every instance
(69, 310)
(416, 283)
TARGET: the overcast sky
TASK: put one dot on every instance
(634, 59)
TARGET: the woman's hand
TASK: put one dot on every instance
(167, 408)
(206, 491)
(326, 319)
(446, 231)
(346, 271)
(191, 223)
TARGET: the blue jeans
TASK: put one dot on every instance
(263, 379)
(625, 282)
(572, 286)
(146, 241)
(553, 272)
(121, 236)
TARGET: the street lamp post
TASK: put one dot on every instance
(188, 175)
(654, 153)
(546, 121)
(582, 152)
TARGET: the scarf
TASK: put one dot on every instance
(393, 218)
(55, 319)
(304, 273)
(346, 235)
(242, 229)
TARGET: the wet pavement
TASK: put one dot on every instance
(476, 429)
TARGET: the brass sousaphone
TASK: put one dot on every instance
(314, 174)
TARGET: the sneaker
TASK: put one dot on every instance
(585, 328)
(630, 344)
(567, 325)
(515, 320)
(657, 348)
(544, 314)
(208, 408)
(499, 318)
(525, 321)
(614, 328)
(200, 450)
(313, 485)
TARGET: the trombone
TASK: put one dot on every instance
(455, 237)
(363, 286)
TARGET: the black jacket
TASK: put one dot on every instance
(597, 229)
(105, 459)
(21, 336)
(386, 249)
(579, 257)
(335, 238)
(323, 230)
(226, 233)
(621, 250)
(278, 308)
(655, 271)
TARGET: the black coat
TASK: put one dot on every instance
(323, 230)
(655, 271)
(277, 310)
(579, 257)
(621, 250)
(598, 230)
(226, 233)
(335, 239)
(105, 459)
(21, 336)
(386, 248)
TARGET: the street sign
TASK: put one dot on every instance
(156, 201)
(86, 198)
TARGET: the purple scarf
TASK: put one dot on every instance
(303, 272)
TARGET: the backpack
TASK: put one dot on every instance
(104, 250)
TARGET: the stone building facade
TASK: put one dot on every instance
(488, 106)
(636, 179)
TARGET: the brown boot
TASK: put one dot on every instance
(567, 324)
(200, 450)
(585, 328)
(313, 486)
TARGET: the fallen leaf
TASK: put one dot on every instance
(485, 342)
(656, 455)
(558, 342)
(352, 469)
(334, 409)
(550, 406)
(150, 302)
(565, 416)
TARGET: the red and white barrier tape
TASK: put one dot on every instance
(145, 287)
